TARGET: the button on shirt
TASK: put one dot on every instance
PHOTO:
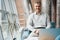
(35, 21)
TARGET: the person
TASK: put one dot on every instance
(13, 25)
(38, 19)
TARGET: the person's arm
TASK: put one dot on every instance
(29, 23)
(48, 22)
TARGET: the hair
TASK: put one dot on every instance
(38, 2)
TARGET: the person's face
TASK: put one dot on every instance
(37, 7)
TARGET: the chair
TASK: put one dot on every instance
(53, 25)
(25, 33)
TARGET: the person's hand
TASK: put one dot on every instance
(36, 31)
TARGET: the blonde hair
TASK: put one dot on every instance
(38, 2)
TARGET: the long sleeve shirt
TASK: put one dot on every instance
(35, 21)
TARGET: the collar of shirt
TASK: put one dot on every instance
(38, 13)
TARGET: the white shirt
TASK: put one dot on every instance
(41, 20)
